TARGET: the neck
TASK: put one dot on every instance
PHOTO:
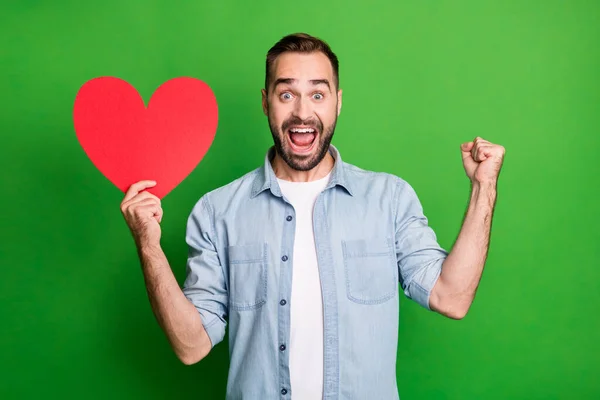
(283, 171)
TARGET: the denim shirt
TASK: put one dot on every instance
(371, 239)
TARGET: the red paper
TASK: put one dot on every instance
(128, 142)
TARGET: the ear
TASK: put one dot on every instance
(265, 104)
(339, 98)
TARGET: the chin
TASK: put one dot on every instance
(303, 160)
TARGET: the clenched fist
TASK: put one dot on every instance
(143, 213)
(482, 160)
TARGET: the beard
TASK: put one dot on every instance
(304, 162)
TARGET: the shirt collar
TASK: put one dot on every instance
(266, 179)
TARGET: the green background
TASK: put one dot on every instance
(419, 78)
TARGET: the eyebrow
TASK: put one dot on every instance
(290, 81)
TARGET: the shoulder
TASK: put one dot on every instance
(364, 180)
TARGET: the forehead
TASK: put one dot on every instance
(303, 66)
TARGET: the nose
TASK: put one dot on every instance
(302, 108)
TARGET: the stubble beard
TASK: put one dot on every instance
(302, 162)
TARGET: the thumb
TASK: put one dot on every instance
(467, 147)
(468, 162)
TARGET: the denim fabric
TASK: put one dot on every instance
(373, 242)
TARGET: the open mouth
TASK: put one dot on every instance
(302, 139)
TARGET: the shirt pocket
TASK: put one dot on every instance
(247, 276)
(371, 270)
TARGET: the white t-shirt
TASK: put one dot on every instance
(306, 319)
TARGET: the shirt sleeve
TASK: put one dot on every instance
(205, 284)
(418, 253)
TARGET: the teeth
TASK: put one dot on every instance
(305, 130)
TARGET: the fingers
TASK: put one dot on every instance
(144, 209)
(146, 202)
(142, 196)
(138, 198)
(149, 210)
(158, 215)
(471, 149)
(133, 206)
(482, 153)
(480, 150)
(478, 141)
(136, 188)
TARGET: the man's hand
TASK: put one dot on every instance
(143, 213)
(482, 160)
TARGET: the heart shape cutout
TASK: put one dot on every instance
(129, 142)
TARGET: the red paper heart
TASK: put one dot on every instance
(128, 142)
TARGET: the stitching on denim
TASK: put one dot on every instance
(262, 297)
(387, 296)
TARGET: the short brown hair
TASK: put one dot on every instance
(300, 43)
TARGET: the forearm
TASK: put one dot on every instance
(462, 269)
(176, 315)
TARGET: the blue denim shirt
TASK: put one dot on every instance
(372, 241)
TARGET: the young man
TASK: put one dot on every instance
(304, 258)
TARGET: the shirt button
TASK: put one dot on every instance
(284, 258)
(283, 391)
(283, 302)
(289, 218)
(282, 347)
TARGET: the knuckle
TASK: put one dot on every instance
(144, 195)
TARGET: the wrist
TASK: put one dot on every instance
(488, 185)
(148, 246)
(483, 191)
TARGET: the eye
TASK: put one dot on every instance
(318, 96)
(285, 96)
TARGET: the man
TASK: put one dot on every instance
(304, 257)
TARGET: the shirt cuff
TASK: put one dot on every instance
(422, 286)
